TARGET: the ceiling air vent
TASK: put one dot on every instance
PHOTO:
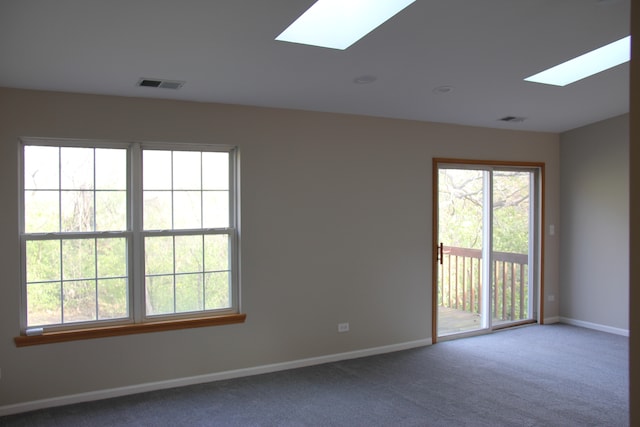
(512, 119)
(163, 84)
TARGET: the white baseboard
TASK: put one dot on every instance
(550, 320)
(180, 382)
(596, 326)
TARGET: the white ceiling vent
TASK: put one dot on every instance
(162, 84)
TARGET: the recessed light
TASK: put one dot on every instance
(586, 65)
(363, 80)
(440, 90)
(337, 24)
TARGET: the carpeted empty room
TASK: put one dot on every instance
(552, 375)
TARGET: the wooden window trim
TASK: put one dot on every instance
(119, 330)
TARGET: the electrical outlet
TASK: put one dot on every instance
(551, 298)
(343, 327)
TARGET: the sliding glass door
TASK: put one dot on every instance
(486, 220)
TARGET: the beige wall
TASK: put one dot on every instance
(336, 226)
(594, 206)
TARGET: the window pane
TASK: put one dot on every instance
(186, 170)
(112, 257)
(189, 292)
(215, 173)
(187, 209)
(158, 255)
(111, 210)
(43, 260)
(43, 304)
(216, 252)
(41, 168)
(42, 211)
(76, 168)
(189, 253)
(156, 170)
(157, 210)
(111, 169)
(217, 291)
(79, 300)
(112, 299)
(159, 295)
(216, 209)
(77, 211)
(78, 259)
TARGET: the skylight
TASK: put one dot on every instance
(337, 24)
(586, 65)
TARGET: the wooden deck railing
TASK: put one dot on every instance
(461, 282)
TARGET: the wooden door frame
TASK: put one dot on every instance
(437, 161)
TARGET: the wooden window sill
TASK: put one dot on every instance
(138, 328)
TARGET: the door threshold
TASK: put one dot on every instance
(467, 334)
(513, 324)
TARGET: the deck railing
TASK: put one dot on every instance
(461, 282)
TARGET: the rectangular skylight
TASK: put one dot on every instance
(337, 24)
(586, 65)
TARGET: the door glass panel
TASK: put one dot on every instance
(460, 229)
(510, 256)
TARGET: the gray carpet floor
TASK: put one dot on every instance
(554, 375)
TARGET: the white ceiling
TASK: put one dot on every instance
(226, 52)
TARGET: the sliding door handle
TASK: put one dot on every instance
(440, 253)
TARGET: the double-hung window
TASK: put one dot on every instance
(126, 233)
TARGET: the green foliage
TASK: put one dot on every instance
(511, 201)
(159, 295)
(217, 290)
(79, 300)
(112, 298)
(43, 260)
(460, 204)
(201, 267)
(44, 305)
(78, 259)
(64, 286)
(461, 201)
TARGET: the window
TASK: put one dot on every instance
(118, 233)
